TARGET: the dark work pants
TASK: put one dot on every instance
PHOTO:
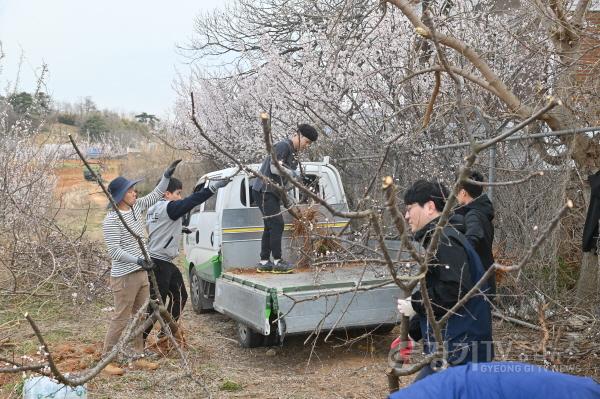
(171, 286)
(270, 204)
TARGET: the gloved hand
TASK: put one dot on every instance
(186, 230)
(214, 185)
(171, 169)
(405, 307)
(295, 174)
(145, 264)
(403, 352)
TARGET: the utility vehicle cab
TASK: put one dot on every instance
(231, 222)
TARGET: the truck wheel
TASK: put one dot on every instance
(200, 304)
(249, 338)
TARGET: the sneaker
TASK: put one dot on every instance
(144, 364)
(265, 268)
(113, 369)
(283, 267)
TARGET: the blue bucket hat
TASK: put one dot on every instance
(119, 186)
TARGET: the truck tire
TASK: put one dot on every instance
(248, 338)
(200, 304)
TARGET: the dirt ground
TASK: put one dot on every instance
(230, 371)
(334, 369)
(226, 370)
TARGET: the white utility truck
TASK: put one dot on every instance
(222, 252)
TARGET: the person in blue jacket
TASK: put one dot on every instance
(164, 223)
(452, 272)
(500, 380)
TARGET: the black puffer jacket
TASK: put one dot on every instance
(479, 230)
(448, 277)
(590, 229)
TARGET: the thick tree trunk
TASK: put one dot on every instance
(566, 33)
(588, 285)
(586, 289)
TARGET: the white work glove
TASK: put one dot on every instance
(214, 185)
(405, 307)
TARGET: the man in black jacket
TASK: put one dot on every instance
(164, 221)
(590, 229)
(450, 274)
(478, 212)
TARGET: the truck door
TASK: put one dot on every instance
(202, 243)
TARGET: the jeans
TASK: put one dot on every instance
(270, 206)
(171, 286)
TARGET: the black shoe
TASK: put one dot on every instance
(282, 267)
(266, 268)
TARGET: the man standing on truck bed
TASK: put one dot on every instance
(269, 200)
(164, 222)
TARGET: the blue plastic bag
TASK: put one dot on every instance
(41, 387)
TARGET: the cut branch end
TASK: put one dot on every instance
(422, 31)
(387, 181)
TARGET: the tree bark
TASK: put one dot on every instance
(587, 284)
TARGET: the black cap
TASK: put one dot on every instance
(308, 131)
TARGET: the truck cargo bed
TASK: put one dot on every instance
(340, 297)
(310, 278)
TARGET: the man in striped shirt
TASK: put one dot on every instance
(128, 279)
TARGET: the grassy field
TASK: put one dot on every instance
(80, 204)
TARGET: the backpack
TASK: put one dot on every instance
(475, 265)
(471, 327)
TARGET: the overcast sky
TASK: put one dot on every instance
(120, 53)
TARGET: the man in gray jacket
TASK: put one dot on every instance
(269, 201)
(164, 223)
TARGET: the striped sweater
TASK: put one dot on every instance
(123, 248)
